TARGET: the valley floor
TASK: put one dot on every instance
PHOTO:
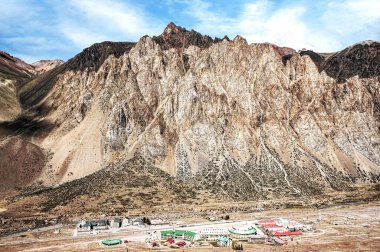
(349, 227)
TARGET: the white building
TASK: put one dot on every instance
(213, 233)
(125, 222)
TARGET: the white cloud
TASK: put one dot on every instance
(282, 27)
(296, 25)
(353, 16)
(96, 21)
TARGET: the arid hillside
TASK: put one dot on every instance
(249, 121)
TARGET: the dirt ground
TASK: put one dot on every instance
(343, 228)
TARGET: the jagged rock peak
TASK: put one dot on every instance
(175, 36)
(240, 40)
(93, 57)
(362, 59)
(283, 50)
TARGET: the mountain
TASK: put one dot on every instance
(43, 66)
(12, 72)
(21, 161)
(244, 121)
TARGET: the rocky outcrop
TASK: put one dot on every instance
(177, 37)
(361, 59)
(93, 57)
(225, 115)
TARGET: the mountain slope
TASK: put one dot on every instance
(237, 118)
(21, 162)
(43, 66)
(12, 72)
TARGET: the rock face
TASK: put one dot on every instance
(178, 37)
(226, 115)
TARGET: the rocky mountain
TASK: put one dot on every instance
(21, 161)
(43, 66)
(12, 72)
(247, 121)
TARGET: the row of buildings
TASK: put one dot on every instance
(100, 224)
(273, 230)
(281, 227)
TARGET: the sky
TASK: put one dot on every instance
(52, 29)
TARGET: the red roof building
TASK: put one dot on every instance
(266, 221)
(181, 243)
(271, 225)
(286, 233)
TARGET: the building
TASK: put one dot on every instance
(258, 238)
(137, 222)
(84, 226)
(159, 222)
(213, 233)
(223, 241)
(242, 233)
(125, 222)
(178, 234)
(286, 233)
(102, 224)
(269, 221)
(116, 223)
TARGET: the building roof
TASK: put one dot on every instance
(248, 231)
(178, 232)
(271, 225)
(266, 221)
(111, 242)
(190, 233)
(167, 232)
(222, 239)
(286, 233)
(102, 222)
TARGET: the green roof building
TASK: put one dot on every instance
(223, 241)
(178, 234)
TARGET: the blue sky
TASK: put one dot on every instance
(50, 29)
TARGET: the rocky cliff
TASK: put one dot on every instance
(246, 120)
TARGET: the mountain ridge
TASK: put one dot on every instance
(249, 121)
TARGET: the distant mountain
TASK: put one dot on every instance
(238, 120)
(43, 66)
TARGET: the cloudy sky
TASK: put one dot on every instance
(49, 29)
